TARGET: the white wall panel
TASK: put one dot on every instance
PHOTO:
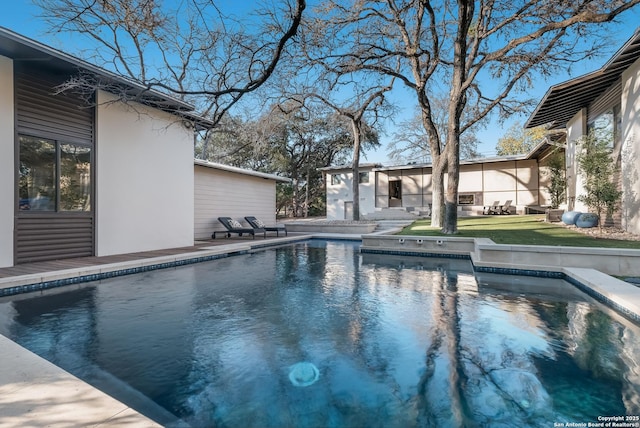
(144, 167)
(221, 193)
(7, 159)
(630, 154)
(576, 129)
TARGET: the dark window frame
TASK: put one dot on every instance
(58, 172)
(463, 196)
(615, 123)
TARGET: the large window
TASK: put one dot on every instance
(54, 176)
(608, 126)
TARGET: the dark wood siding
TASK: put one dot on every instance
(604, 102)
(66, 118)
(53, 236)
(39, 113)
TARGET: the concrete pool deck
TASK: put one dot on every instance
(36, 393)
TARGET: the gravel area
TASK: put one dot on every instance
(606, 233)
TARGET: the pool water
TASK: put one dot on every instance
(318, 335)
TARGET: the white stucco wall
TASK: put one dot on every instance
(499, 182)
(7, 144)
(144, 168)
(576, 129)
(220, 193)
(338, 194)
(630, 154)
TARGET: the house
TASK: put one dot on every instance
(394, 191)
(606, 99)
(339, 190)
(227, 191)
(82, 178)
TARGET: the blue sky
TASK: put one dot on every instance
(22, 17)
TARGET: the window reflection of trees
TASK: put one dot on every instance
(608, 126)
(75, 177)
(37, 189)
(50, 170)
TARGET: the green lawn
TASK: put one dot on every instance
(519, 229)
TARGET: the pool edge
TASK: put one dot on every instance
(595, 283)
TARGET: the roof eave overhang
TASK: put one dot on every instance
(562, 101)
(248, 172)
(21, 48)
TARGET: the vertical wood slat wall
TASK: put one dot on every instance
(41, 236)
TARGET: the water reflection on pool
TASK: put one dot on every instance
(318, 334)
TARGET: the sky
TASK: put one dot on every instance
(21, 16)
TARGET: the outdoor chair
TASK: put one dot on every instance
(258, 224)
(491, 209)
(233, 226)
(504, 209)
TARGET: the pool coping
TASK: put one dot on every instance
(60, 395)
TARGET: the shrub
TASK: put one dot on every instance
(597, 166)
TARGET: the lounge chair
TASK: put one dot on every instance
(257, 224)
(491, 209)
(233, 226)
(504, 209)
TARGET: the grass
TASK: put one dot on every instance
(519, 229)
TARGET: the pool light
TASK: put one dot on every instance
(303, 374)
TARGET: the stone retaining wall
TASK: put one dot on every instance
(486, 253)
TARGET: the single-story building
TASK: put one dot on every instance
(82, 178)
(103, 177)
(391, 191)
(606, 99)
(227, 191)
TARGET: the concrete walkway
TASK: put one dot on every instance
(36, 393)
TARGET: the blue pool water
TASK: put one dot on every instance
(319, 335)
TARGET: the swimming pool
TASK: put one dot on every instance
(317, 334)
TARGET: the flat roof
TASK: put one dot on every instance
(551, 139)
(562, 101)
(341, 167)
(23, 49)
(243, 171)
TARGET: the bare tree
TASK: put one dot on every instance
(411, 142)
(193, 51)
(485, 51)
(354, 111)
(292, 140)
(358, 97)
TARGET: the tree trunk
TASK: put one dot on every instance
(450, 225)
(452, 153)
(438, 162)
(296, 196)
(306, 195)
(437, 192)
(456, 106)
(356, 170)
